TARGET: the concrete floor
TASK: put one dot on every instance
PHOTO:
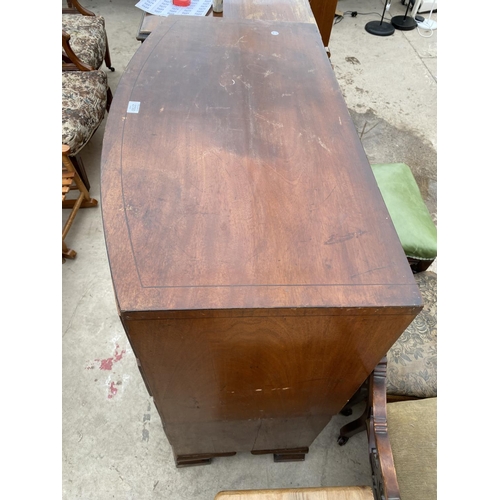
(113, 444)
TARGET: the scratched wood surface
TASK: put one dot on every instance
(242, 181)
(256, 269)
(298, 11)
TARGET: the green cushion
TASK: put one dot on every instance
(411, 218)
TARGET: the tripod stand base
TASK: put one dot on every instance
(404, 23)
(379, 29)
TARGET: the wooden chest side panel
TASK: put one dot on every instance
(244, 435)
(240, 377)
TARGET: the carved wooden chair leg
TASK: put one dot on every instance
(107, 56)
(360, 424)
(385, 483)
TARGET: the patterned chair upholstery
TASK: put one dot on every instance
(88, 35)
(412, 360)
(84, 100)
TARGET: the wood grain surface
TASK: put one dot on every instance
(242, 183)
(257, 272)
(256, 383)
(298, 11)
(324, 14)
(335, 493)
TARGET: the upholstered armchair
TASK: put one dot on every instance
(85, 99)
(402, 443)
(88, 35)
(402, 446)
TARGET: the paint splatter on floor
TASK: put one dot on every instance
(107, 364)
(112, 386)
(112, 390)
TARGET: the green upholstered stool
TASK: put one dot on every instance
(410, 216)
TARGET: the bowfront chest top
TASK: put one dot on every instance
(256, 270)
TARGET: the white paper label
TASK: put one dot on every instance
(133, 107)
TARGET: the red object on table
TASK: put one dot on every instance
(182, 3)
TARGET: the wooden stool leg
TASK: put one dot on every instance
(80, 168)
(70, 174)
(419, 266)
(67, 252)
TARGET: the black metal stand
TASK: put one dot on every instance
(380, 28)
(404, 23)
